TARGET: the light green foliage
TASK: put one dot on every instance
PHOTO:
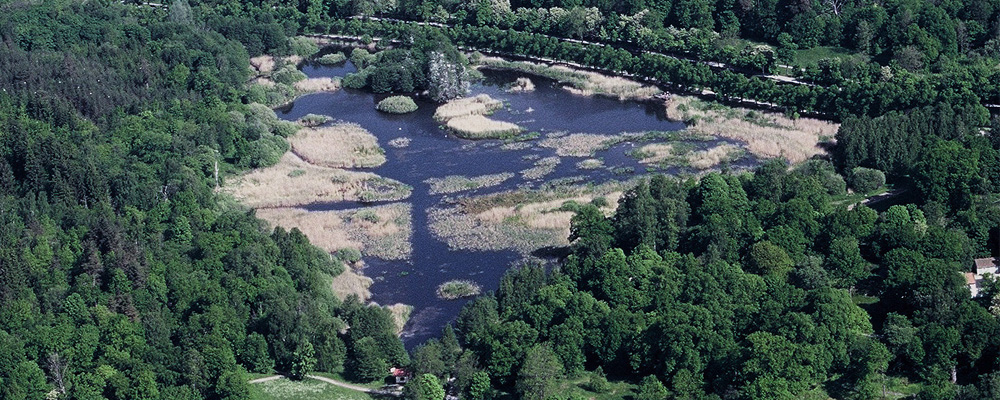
(397, 105)
(423, 387)
(362, 58)
(537, 377)
(302, 46)
(332, 58)
(288, 75)
(303, 361)
(651, 389)
(480, 388)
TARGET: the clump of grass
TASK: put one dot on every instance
(458, 183)
(522, 84)
(340, 146)
(457, 289)
(591, 163)
(350, 282)
(705, 159)
(313, 120)
(296, 173)
(400, 142)
(542, 168)
(397, 105)
(332, 58)
(477, 105)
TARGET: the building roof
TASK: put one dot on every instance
(398, 372)
(983, 263)
(970, 278)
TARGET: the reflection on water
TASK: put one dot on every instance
(432, 153)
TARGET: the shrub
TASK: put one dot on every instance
(288, 75)
(598, 383)
(356, 80)
(600, 202)
(362, 58)
(314, 120)
(349, 255)
(456, 289)
(866, 180)
(332, 58)
(302, 46)
(397, 105)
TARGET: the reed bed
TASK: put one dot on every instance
(316, 85)
(341, 145)
(705, 159)
(522, 220)
(466, 118)
(590, 163)
(767, 135)
(580, 82)
(543, 167)
(579, 144)
(384, 232)
(294, 182)
(351, 282)
(458, 183)
(313, 120)
(477, 105)
(457, 289)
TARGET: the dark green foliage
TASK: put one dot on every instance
(866, 180)
(123, 275)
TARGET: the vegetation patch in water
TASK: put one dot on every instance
(522, 84)
(466, 118)
(313, 120)
(332, 58)
(580, 82)
(344, 145)
(590, 163)
(458, 183)
(457, 289)
(400, 142)
(542, 168)
(397, 105)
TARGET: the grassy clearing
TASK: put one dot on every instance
(341, 145)
(767, 135)
(522, 84)
(523, 220)
(397, 105)
(308, 389)
(579, 82)
(384, 232)
(579, 386)
(458, 288)
(400, 314)
(542, 168)
(458, 183)
(813, 55)
(294, 182)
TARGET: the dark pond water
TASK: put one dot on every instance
(434, 154)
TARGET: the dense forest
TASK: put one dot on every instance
(123, 275)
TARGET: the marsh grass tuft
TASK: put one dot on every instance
(343, 145)
(400, 142)
(457, 289)
(466, 118)
(579, 82)
(458, 183)
(313, 120)
(543, 167)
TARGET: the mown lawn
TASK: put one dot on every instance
(308, 389)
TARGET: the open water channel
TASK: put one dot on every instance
(433, 153)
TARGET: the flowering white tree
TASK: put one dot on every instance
(446, 79)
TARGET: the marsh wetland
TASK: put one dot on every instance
(473, 207)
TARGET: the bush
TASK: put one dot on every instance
(356, 80)
(302, 46)
(598, 383)
(349, 255)
(866, 180)
(362, 58)
(288, 75)
(332, 58)
(397, 105)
